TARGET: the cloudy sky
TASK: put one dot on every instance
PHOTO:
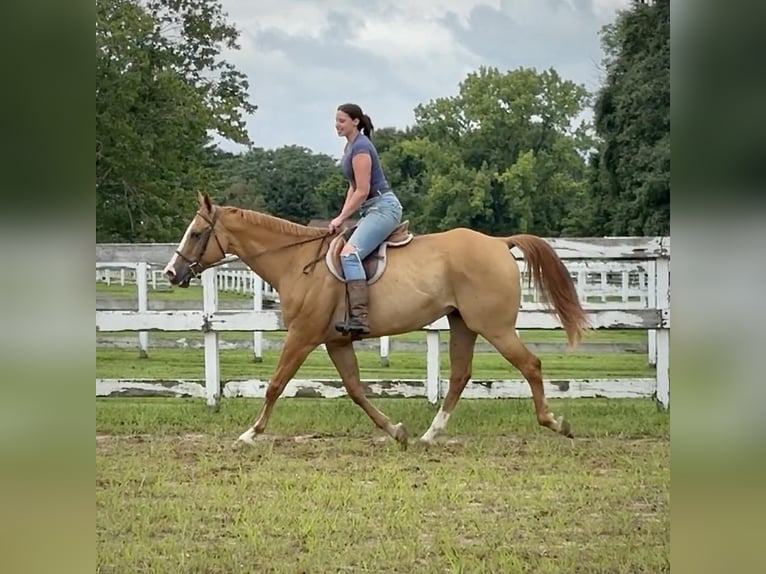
(304, 57)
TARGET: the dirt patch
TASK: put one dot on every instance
(516, 441)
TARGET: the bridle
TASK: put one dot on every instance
(204, 239)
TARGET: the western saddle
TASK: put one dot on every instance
(375, 263)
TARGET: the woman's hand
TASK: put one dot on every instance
(335, 224)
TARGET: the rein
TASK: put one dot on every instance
(306, 268)
(211, 221)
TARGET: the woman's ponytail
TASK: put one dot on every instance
(367, 127)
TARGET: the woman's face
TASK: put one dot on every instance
(344, 125)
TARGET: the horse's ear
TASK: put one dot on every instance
(205, 203)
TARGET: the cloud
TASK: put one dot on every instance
(304, 57)
(556, 33)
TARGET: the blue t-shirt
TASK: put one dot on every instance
(362, 144)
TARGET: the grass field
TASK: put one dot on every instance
(323, 491)
(528, 335)
(191, 293)
(238, 364)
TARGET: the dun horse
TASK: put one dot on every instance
(470, 277)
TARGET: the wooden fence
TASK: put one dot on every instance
(641, 300)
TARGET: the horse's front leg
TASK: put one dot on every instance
(294, 352)
(344, 358)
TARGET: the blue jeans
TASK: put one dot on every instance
(379, 217)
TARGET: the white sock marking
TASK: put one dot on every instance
(248, 436)
(438, 425)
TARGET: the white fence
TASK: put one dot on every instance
(596, 282)
(600, 284)
(229, 278)
(639, 300)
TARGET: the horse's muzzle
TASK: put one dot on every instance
(181, 279)
(184, 283)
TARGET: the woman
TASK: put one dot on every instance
(379, 209)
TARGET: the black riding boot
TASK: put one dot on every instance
(357, 303)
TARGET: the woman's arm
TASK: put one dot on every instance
(349, 193)
(362, 166)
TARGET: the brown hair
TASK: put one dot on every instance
(355, 113)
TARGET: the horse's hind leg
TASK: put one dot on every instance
(461, 347)
(344, 358)
(510, 346)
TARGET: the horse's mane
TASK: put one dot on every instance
(277, 224)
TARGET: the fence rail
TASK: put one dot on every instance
(644, 304)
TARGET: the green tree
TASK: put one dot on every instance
(291, 182)
(161, 89)
(407, 161)
(291, 179)
(631, 176)
(235, 179)
(329, 195)
(519, 151)
(388, 137)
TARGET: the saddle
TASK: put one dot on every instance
(375, 263)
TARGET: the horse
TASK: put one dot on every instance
(470, 277)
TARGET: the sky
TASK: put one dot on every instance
(305, 57)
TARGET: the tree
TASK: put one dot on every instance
(290, 182)
(631, 176)
(406, 162)
(161, 88)
(291, 179)
(236, 178)
(519, 151)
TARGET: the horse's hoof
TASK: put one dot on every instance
(246, 438)
(401, 436)
(565, 428)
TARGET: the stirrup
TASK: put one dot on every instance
(351, 327)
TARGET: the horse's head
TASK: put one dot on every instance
(197, 252)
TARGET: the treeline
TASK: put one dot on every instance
(509, 153)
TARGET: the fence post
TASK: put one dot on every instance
(143, 307)
(433, 377)
(651, 302)
(582, 286)
(212, 366)
(384, 348)
(663, 333)
(625, 286)
(257, 306)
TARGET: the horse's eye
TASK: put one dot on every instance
(195, 234)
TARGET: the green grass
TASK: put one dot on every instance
(604, 336)
(191, 293)
(324, 491)
(238, 364)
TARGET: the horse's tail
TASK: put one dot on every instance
(555, 283)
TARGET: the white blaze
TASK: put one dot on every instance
(169, 266)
